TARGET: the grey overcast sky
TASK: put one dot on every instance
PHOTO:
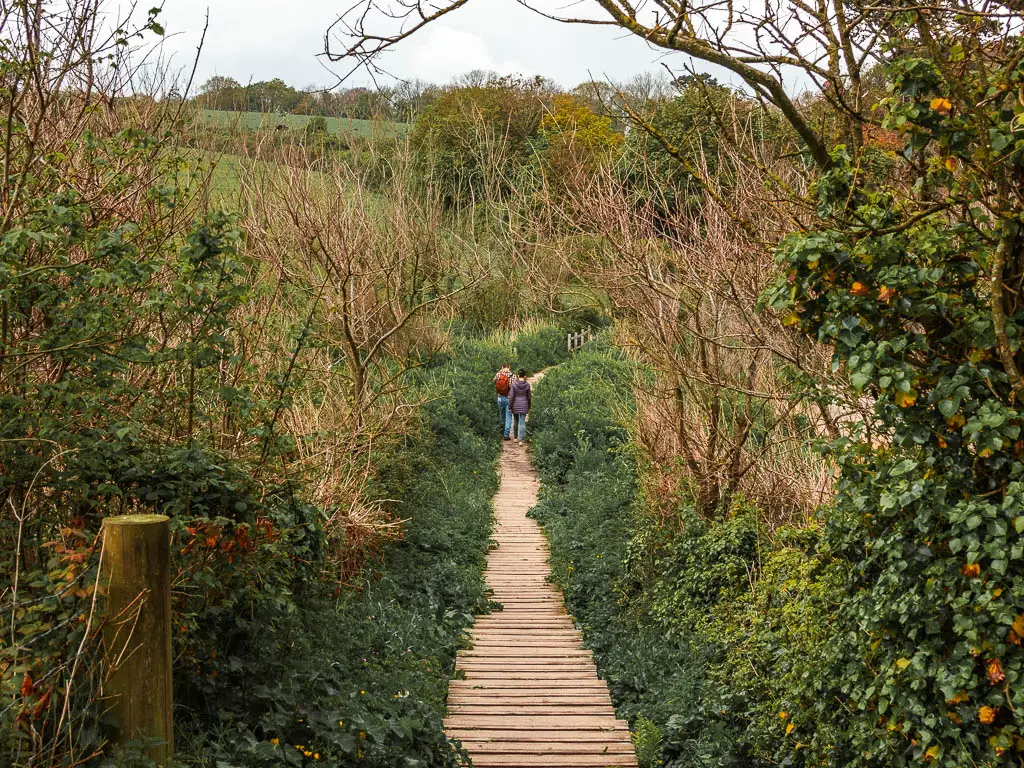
(262, 39)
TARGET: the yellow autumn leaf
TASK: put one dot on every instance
(902, 664)
(791, 319)
(958, 698)
(932, 752)
(789, 729)
(941, 105)
(906, 399)
(985, 453)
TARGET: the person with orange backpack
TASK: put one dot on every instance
(502, 385)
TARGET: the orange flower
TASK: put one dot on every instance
(986, 715)
(971, 570)
(859, 289)
(941, 105)
(994, 670)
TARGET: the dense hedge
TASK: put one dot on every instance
(700, 634)
(365, 673)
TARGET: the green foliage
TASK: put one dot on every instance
(926, 523)
(539, 350)
(583, 417)
(575, 144)
(647, 740)
(702, 630)
(468, 141)
(375, 691)
(685, 139)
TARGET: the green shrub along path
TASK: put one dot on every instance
(696, 661)
(360, 677)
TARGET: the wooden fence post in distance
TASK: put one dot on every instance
(137, 577)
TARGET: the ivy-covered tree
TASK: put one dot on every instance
(916, 282)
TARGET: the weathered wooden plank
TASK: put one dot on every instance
(514, 697)
(529, 687)
(554, 761)
(531, 722)
(511, 709)
(516, 747)
(540, 735)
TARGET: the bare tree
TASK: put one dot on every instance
(828, 45)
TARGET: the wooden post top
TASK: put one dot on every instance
(135, 519)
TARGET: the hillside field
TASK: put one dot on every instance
(264, 120)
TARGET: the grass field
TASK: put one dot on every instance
(263, 120)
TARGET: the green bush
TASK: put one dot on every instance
(367, 668)
(701, 631)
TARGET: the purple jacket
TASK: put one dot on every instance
(519, 396)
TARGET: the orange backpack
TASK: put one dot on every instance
(503, 383)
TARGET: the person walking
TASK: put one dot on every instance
(520, 399)
(502, 385)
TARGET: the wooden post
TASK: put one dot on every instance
(136, 575)
(568, 342)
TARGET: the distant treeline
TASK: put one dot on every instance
(404, 101)
(399, 104)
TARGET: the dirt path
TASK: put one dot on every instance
(531, 696)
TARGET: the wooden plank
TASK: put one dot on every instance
(541, 736)
(515, 747)
(488, 697)
(554, 761)
(511, 709)
(528, 687)
(534, 722)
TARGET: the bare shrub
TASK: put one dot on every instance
(725, 414)
(353, 275)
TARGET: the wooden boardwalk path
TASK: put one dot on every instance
(531, 697)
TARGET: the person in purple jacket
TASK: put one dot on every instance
(519, 401)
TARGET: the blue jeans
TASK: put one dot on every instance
(503, 413)
(516, 423)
